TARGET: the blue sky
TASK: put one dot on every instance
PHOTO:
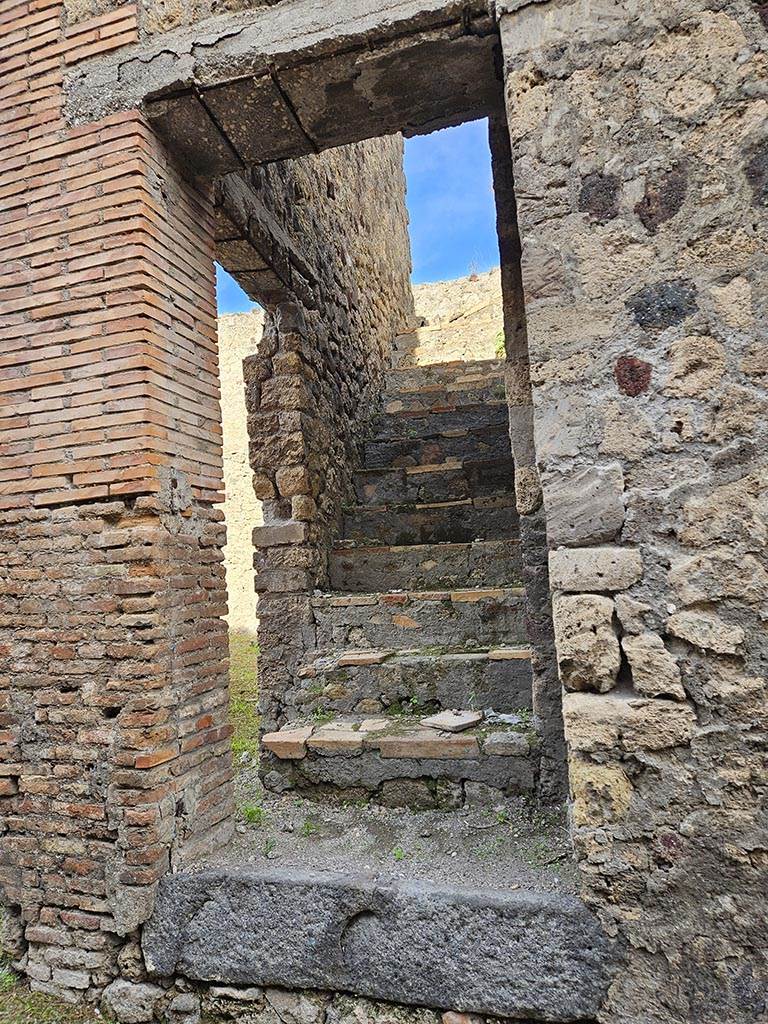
(450, 203)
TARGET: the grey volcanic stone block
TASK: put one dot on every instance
(531, 955)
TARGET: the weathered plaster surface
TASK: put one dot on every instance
(639, 140)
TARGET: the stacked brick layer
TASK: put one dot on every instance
(115, 749)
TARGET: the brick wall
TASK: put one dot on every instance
(112, 649)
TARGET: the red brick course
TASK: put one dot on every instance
(114, 743)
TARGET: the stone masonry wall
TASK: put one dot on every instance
(315, 383)
(115, 744)
(638, 133)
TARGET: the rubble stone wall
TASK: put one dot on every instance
(316, 381)
(115, 745)
(638, 133)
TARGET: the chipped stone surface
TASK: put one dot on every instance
(385, 942)
(586, 507)
(706, 630)
(587, 646)
(655, 672)
(594, 569)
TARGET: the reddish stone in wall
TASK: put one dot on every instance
(633, 375)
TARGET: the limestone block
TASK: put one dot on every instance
(654, 670)
(588, 652)
(706, 630)
(594, 569)
(586, 507)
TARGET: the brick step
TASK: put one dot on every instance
(426, 424)
(398, 760)
(446, 481)
(481, 616)
(492, 518)
(364, 569)
(434, 398)
(456, 373)
(489, 442)
(384, 680)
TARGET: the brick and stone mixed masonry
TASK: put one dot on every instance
(618, 607)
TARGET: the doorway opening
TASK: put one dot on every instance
(397, 709)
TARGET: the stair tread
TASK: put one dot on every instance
(353, 545)
(400, 736)
(332, 598)
(455, 652)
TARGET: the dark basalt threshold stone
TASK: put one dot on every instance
(511, 954)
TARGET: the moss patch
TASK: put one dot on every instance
(244, 693)
(20, 1006)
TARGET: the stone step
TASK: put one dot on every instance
(364, 569)
(489, 442)
(452, 373)
(374, 681)
(491, 518)
(482, 616)
(446, 397)
(447, 481)
(397, 760)
(426, 424)
(521, 953)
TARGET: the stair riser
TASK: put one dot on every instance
(443, 399)
(367, 774)
(398, 487)
(487, 623)
(378, 570)
(492, 443)
(432, 424)
(443, 373)
(504, 686)
(431, 526)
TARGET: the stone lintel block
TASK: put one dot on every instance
(426, 744)
(586, 507)
(620, 723)
(288, 744)
(190, 132)
(509, 954)
(588, 653)
(594, 569)
(281, 533)
(239, 105)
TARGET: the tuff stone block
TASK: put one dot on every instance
(586, 507)
(588, 651)
(594, 569)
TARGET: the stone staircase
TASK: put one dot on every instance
(425, 612)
